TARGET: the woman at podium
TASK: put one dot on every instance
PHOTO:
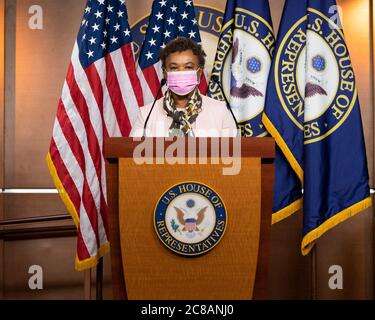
(183, 111)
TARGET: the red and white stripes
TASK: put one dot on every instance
(99, 101)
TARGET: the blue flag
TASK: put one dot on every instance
(312, 110)
(288, 133)
(242, 63)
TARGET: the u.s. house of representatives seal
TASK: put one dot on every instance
(190, 218)
(242, 65)
(314, 76)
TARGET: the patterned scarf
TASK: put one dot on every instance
(182, 120)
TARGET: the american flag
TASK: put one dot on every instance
(169, 19)
(100, 98)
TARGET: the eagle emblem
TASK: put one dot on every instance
(190, 218)
(190, 224)
(319, 65)
(243, 68)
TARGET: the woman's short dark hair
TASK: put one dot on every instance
(181, 44)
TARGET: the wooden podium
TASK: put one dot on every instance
(142, 266)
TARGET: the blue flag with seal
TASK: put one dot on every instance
(243, 61)
(285, 97)
(313, 112)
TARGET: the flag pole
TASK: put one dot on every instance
(87, 284)
(314, 294)
(99, 280)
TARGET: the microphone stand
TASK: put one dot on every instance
(162, 84)
(216, 80)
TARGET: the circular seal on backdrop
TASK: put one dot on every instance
(190, 218)
(244, 59)
(314, 76)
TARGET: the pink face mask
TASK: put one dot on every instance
(182, 82)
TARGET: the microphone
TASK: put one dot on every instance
(162, 84)
(216, 80)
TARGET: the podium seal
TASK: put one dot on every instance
(190, 218)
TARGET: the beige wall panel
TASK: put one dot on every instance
(136, 11)
(31, 205)
(350, 246)
(277, 7)
(56, 257)
(290, 272)
(356, 23)
(41, 62)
